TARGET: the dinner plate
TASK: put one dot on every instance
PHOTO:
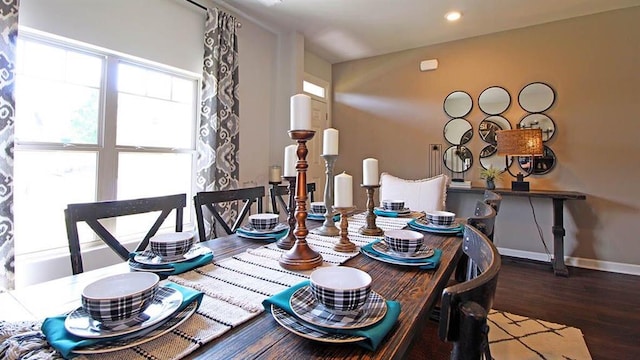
(405, 211)
(375, 256)
(424, 222)
(453, 231)
(307, 308)
(165, 303)
(136, 266)
(248, 229)
(142, 336)
(422, 253)
(269, 237)
(308, 331)
(149, 258)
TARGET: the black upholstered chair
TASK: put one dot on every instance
(211, 201)
(277, 193)
(465, 306)
(90, 213)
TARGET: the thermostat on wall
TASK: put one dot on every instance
(427, 65)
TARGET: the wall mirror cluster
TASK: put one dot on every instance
(535, 98)
(458, 132)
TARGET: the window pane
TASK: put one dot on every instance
(83, 69)
(158, 85)
(45, 182)
(312, 88)
(131, 79)
(153, 174)
(153, 122)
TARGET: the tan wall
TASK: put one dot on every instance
(386, 108)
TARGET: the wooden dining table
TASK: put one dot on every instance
(416, 290)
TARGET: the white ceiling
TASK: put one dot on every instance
(341, 30)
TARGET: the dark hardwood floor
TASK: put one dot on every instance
(604, 305)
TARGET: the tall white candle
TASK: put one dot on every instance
(343, 190)
(330, 142)
(290, 160)
(275, 173)
(300, 112)
(370, 172)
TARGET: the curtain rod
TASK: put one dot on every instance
(239, 25)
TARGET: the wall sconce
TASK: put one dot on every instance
(520, 142)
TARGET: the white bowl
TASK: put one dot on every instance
(341, 289)
(263, 221)
(171, 245)
(118, 298)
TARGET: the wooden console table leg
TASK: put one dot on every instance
(559, 268)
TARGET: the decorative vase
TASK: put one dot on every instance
(490, 184)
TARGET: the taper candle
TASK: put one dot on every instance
(330, 142)
(300, 112)
(343, 190)
(275, 174)
(290, 160)
(370, 172)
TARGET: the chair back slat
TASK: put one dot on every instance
(90, 213)
(277, 193)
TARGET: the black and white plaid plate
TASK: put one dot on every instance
(423, 253)
(424, 222)
(148, 258)
(388, 260)
(307, 308)
(307, 331)
(417, 226)
(165, 303)
(248, 229)
(141, 336)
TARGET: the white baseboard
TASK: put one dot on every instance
(593, 264)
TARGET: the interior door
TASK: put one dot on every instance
(316, 170)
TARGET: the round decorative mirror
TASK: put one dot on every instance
(458, 104)
(539, 121)
(489, 158)
(488, 127)
(458, 158)
(541, 164)
(536, 97)
(458, 131)
(494, 100)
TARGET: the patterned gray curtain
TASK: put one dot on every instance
(218, 132)
(9, 27)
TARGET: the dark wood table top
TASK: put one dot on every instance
(262, 338)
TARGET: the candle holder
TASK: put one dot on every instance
(328, 227)
(344, 245)
(287, 242)
(301, 256)
(370, 229)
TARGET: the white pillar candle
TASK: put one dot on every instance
(343, 190)
(300, 112)
(330, 142)
(370, 172)
(275, 174)
(290, 160)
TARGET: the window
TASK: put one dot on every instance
(312, 88)
(94, 125)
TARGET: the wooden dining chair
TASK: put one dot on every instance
(221, 209)
(465, 306)
(277, 192)
(90, 213)
(492, 198)
(484, 218)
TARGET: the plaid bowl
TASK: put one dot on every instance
(263, 221)
(340, 289)
(393, 205)
(171, 245)
(117, 298)
(440, 217)
(403, 241)
(317, 207)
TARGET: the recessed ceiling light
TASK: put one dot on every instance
(453, 15)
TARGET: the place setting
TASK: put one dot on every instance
(263, 226)
(392, 208)
(336, 305)
(317, 212)
(170, 254)
(121, 311)
(438, 222)
(403, 247)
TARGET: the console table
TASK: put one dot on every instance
(558, 197)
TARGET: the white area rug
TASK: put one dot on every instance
(517, 337)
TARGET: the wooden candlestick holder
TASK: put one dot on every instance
(370, 229)
(328, 227)
(344, 245)
(301, 256)
(287, 242)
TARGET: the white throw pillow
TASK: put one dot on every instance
(418, 195)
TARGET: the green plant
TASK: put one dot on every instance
(490, 173)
